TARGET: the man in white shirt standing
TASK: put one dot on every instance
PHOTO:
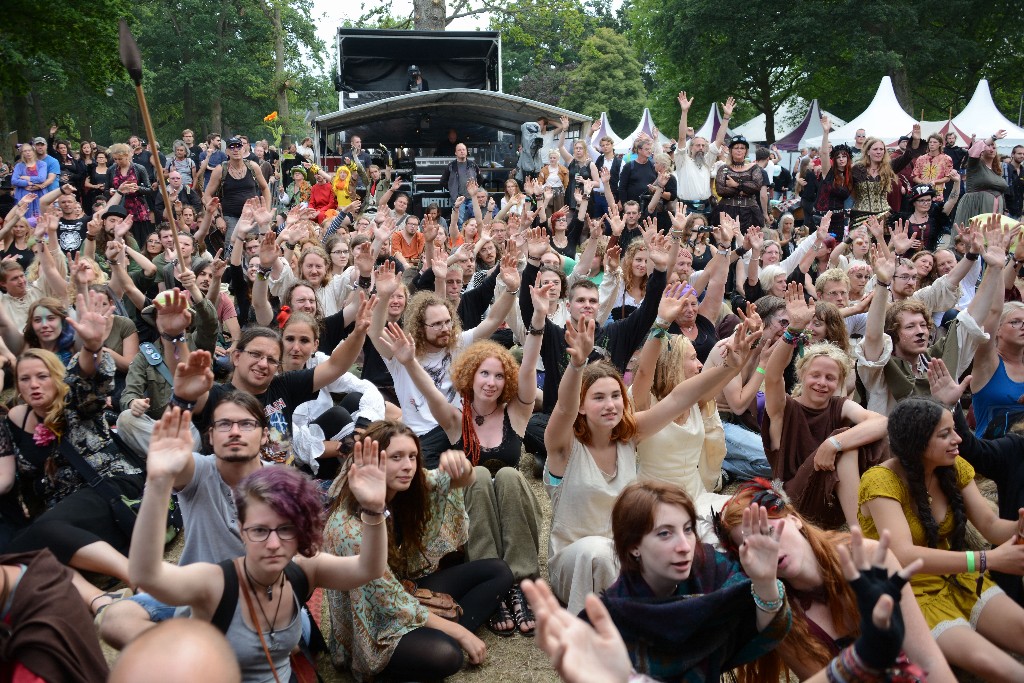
(695, 159)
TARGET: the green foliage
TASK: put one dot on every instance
(607, 79)
(209, 65)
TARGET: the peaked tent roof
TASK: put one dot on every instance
(646, 126)
(981, 117)
(809, 127)
(943, 127)
(884, 118)
(710, 128)
(605, 128)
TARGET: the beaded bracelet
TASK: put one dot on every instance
(847, 667)
(769, 605)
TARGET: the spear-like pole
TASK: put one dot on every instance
(132, 60)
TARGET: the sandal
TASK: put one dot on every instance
(501, 616)
(114, 597)
(521, 612)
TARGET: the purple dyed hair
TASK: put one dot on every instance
(292, 495)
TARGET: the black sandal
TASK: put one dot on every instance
(521, 612)
(502, 616)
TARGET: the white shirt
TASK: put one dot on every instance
(693, 183)
(415, 411)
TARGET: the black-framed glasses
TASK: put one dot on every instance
(225, 426)
(259, 534)
(257, 357)
(1016, 324)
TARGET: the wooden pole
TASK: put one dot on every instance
(132, 60)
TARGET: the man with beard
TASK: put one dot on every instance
(892, 359)
(239, 430)
(433, 324)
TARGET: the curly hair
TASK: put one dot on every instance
(911, 306)
(66, 338)
(626, 429)
(629, 280)
(54, 418)
(835, 326)
(912, 424)
(290, 494)
(885, 172)
(410, 509)
(416, 312)
(823, 349)
(463, 372)
(800, 643)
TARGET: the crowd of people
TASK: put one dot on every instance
(759, 430)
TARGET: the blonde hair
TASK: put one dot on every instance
(823, 349)
(54, 418)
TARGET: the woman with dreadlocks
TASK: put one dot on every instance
(925, 496)
(825, 607)
(497, 401)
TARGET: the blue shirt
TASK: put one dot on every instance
(216, 159)
(52, 166)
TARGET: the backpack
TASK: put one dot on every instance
(224, 174)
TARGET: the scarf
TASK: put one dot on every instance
(136, 205)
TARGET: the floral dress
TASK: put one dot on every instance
(368, 622)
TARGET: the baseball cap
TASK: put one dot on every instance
(38, 141)
(235, 140)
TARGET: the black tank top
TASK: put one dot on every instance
(235, 192)
(507, 453)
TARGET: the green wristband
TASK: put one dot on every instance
(970, 562)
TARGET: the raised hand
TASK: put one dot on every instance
(658, 251)
(943, 385)
(537, 243)
(364, 316)
(91, 326)
(219, 265)
(648, 229)
(430, 228)
(901, 241)
(823, 226)
(728, 106)
(755, 238)
(262, 214)
(826, 124)
(884, 265)
(170, 446)
(759, 551)
(564, 120)
(367, 478)
(611, 258)
(799, 310)
(580, 340)
(401, 345)
(737, 350)
(510, 270)
(173, 316)
(541, 297)
(193, 376)
(875, 228)
(684, 103)
(673, 299)
(998, 240)
(268, 250)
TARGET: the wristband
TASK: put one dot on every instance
(513, 293)
(264, 273)
(760, 370)
(740, 251)
(836, 444)
(984, 562)
(181, 403)
(971, 256)
(970, 562)
(662, 323)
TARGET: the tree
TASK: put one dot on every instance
(607, 79)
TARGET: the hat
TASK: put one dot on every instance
(413, 69)
(738, 140)
(903, 138)
(115, 210)
(919, 191)
(235, 140)
(163, 298)
(38, 141)
(840, 148)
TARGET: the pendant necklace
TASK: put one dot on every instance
(268, 588)
(479, 419)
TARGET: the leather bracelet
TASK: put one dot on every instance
(181, 403)
(971, 256)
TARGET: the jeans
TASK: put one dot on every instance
(744, 454)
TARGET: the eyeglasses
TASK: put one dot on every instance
(258, 534)
(257, 357)
(336, 252)
(235, 146)
(1016, 324)
(440, 325)
(225, 426)
(908, 277)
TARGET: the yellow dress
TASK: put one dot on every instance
(946, 601)
(344, 185)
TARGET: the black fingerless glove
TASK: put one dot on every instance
(876, 647)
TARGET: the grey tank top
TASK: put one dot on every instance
(246, 644)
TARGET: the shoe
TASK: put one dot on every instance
(502, 615)
(521, 612)
(114, 596)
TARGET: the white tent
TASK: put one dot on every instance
(943, 127)
(711, 124)
(646, 126)
(787, 119)
(604, 129)
(884, 118)
(980, 117)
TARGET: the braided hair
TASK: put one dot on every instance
(911, 426)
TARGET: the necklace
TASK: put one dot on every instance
(237, 174)
(479, 419)
(269, 588)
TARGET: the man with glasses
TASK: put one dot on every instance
(892, 359)
(859, 137)
(238, 431)
(257, 360)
